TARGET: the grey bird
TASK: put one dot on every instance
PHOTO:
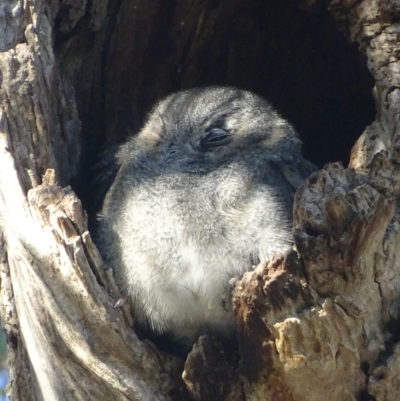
(203, 192)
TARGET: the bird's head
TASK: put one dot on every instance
(204, 126)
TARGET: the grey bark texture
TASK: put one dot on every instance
(323, 320)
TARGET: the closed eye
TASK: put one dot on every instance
(215, 138)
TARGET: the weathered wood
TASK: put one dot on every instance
(324, 320)
(66, 340)
(68, 324)
(320, 323)
(211, 371)
(342, 338)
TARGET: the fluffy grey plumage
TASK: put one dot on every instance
(204, 191)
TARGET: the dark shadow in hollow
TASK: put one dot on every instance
(294, 57)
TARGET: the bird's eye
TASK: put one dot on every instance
(216, 137)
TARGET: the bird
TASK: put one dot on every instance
(202, 193)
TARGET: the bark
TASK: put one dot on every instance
(324, 319)
(66, 341)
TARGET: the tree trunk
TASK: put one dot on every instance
(324, 319)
